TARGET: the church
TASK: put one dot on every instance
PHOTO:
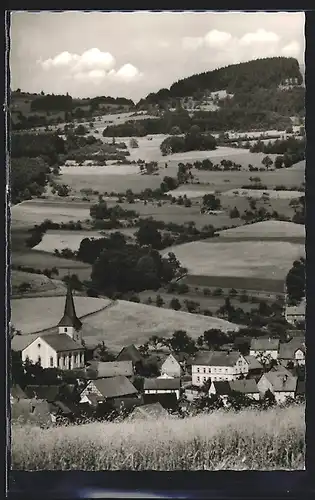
(63, 349)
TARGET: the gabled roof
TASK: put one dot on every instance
(245, 386)
(281, 382)
(287, 350)
(253, 363)
(218, 358)
(69, 317)
(20, 342)
(61, 342)
(161, 384)
(222, 388)
(167, 400)
(115, 387)
(129, 353)
(264, 344)
(112, 368)
(149, 412)
(44, 392)
(94, 399)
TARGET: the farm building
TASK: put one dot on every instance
(171, 367)
(108, 389)
(255, 368)
(293, 351)
(105, 369)
(280, 383)
(295, 314)
(247, 387)
(130, 353)
(162, 386)
(169, 401)
(218, 365)
(264, 347)
(153, 411)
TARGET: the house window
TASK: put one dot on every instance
(64, 360)
(198, 379)
(209, 370)
(58, 361)
(198, 370)
(204, 370)
(75, 359)
(204, 379)
(51, 361)
(66, 329)
(226, 370)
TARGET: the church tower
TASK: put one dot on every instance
(70, 323)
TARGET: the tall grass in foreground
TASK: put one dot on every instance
(272, 439)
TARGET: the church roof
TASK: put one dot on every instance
(69, 317)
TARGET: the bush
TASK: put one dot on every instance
(217, 292)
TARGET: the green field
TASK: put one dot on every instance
(39, 284)
(266, 230)
(31, 315)
(121, 324)
(247, 440)
(240, 262)
(43, 260)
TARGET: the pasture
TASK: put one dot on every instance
(265, 230)
(59, 239)
(42, 260)
(121, 324)
(39, 283)
(35, 211)
(31, 315)
(243, 265)
(222, 440)
(270, 193)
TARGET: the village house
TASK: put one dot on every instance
(295, 314)
(281, 383)
(293, 351)
(264, 347)
(130, 353)
(153, 411)
(171, 367)
(224, 389)
(105, 369)
(105, 389)
(62, 350)
(255, 368)
(162, 386)
(218, 365)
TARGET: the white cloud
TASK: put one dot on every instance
(259, 36)
(217, 38)
(291, 50)
(92, 65)
(213, 38)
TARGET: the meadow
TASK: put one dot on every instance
(27, 313)
(43, 260)
(39, 283)
(270, 193)
(121, 324)
(238, 259)
(266, 230)
(35, 211)
(249, 440)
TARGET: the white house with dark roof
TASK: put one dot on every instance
(295, 314)
(217, 366)
(171, 366)
(293, 351)
(162, 386)
(62, 350)
(280, 382)
(247, 387)
(264, 347)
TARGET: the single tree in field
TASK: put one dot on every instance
(159, 301)
(267, 161)
(175, 304)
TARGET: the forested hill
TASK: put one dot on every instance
(245, 77)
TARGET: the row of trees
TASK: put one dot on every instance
(193, 140)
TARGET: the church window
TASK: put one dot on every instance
(51, 361)
(39, 360)
(38, 345)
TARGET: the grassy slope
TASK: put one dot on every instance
(39, 283)
(248, 440)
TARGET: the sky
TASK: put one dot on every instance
(132, 54)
